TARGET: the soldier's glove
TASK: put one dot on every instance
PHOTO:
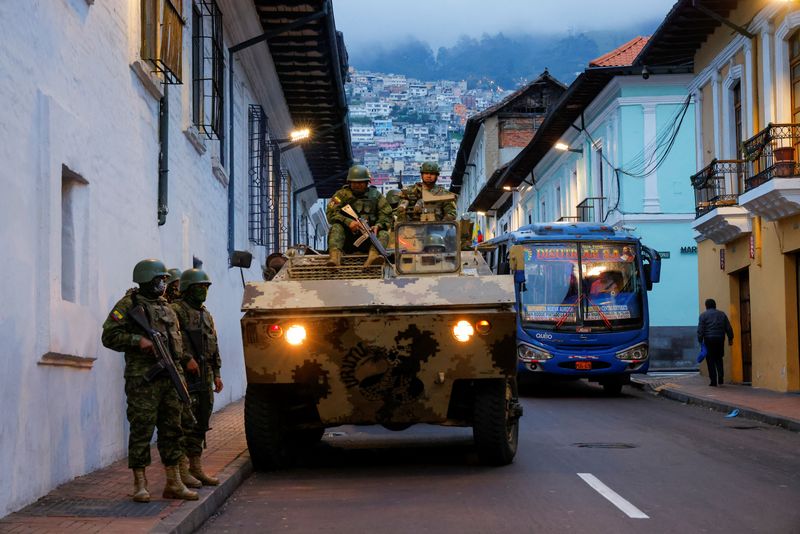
(419, 206)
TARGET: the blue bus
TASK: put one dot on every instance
(581, 293)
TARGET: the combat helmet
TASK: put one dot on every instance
(174, 275)
(430, 167)
(358, 173)
(193, 276)
(146, 270)
(393, 197)
(434, 243)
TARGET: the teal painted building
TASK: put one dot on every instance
(626, 146)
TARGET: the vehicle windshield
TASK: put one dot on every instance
(427, 248)
(603, 290)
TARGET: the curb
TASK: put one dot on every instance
(192, 514)
(720, 406)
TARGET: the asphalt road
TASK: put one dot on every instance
(667, 467)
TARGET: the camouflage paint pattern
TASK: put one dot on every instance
(380, 368)
(380, 349)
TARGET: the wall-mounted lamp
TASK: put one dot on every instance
(295, 138)
(565, 147)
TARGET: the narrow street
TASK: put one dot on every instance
(662, 466)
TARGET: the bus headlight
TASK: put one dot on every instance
(529, 353)
(295, 335)
(635, 353)
(463, 331)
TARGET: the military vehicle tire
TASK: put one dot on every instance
(495, 425)
(307, 437)
(265, 430)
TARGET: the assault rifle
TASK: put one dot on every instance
(198, 385)
(366, 233)
(165, 361)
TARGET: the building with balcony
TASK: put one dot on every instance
(745, 59)
(613, 150)
(491, 139)
(122, 143)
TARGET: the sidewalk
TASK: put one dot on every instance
(781, 409)
(100, 501)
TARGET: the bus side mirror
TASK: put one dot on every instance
(648, 281)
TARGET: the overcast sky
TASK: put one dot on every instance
(441, 22)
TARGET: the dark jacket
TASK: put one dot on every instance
(714, 324)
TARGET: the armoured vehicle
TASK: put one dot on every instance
(428, 339)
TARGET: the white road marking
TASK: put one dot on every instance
(615, 498)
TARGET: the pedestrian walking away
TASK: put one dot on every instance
(202, 367)
(712, 327)
(152, 402)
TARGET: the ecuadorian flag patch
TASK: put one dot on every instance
(116, 315)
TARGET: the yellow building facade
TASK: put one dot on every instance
(746, 88)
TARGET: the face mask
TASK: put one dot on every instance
(154, 288)
(197, 293)
(160, 286)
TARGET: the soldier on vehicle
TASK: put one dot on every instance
(393, 198)
(411, 206)
(153, 403)
(202, 370)
(370, 205)
(173, 291)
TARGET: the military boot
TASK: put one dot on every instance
(374, 258)
(174, 488)
(186, 474)
(335, 257)
(140, 493)
(196, 469)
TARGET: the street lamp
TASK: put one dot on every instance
(296, 137)
(565, 147)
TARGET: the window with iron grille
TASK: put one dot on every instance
(208, 68)
(162, 37)
(261, 205)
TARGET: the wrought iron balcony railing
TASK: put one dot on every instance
(771, 153)
(569, 218)
(718, 184)
(590, 209)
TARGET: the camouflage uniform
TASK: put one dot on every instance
(372, 206)
(443, 211)
(150, 404)
(207, 357)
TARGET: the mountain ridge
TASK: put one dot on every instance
(506, 60)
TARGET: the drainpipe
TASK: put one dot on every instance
(163, 156)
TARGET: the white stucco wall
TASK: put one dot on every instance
(70, 98)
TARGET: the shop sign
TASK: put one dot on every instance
(722, 259)
(752, 247)
(689, 250)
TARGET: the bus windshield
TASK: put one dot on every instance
(600, 290)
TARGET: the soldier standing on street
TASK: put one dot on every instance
(173, 291)
(369, 204)
(152, 403)
(411, 205)
(201, 368)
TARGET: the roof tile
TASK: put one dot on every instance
(622, 56)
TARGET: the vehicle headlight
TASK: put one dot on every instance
(463, 331)
(295, 334)
(529, 353)
(635, 353)
(483, 326)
